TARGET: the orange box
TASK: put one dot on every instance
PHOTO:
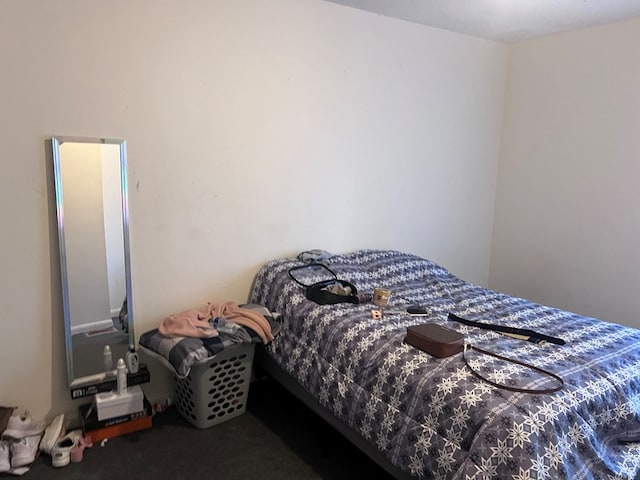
(130, 426)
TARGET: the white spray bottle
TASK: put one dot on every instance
(121, 377)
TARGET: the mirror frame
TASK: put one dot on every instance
(99, 377)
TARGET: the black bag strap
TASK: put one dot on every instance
(532, 336)
(309, 267)
(322, 292)
(518, 362)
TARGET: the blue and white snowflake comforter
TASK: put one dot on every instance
(432, 417)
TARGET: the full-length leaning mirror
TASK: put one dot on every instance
(91, 203)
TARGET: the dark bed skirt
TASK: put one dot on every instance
(269, 366)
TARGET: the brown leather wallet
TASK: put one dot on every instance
(434, 339)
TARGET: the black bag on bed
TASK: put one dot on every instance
(325, 292)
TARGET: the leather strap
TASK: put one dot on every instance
(530, 335)
(518, 362)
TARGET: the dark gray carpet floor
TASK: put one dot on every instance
(276, 438)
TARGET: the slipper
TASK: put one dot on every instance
(76, 452)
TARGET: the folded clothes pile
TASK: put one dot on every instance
(202, 323)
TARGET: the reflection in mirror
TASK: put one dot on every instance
(91, 203)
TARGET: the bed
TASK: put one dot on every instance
(420, 416)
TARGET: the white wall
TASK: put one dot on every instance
(567, 225)
(254, 130)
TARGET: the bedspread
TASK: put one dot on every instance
(432, 417)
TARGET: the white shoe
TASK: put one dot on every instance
(61, 453)
(52, 434)
(4, 457)
(20, 426)
(24, 451)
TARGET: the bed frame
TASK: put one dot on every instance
(265, 363)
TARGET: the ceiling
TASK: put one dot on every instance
(503, 20)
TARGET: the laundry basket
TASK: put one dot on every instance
(217, 390)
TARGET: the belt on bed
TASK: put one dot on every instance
(530, 335)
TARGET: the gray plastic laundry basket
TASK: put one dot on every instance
(217, 390)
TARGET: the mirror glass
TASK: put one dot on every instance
(91, 204)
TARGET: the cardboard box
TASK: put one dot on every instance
(110, 404)
(130, 426)
(89, 416)
(116, 426)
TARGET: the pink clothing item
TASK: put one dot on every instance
(191, 323)
(194, 323)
